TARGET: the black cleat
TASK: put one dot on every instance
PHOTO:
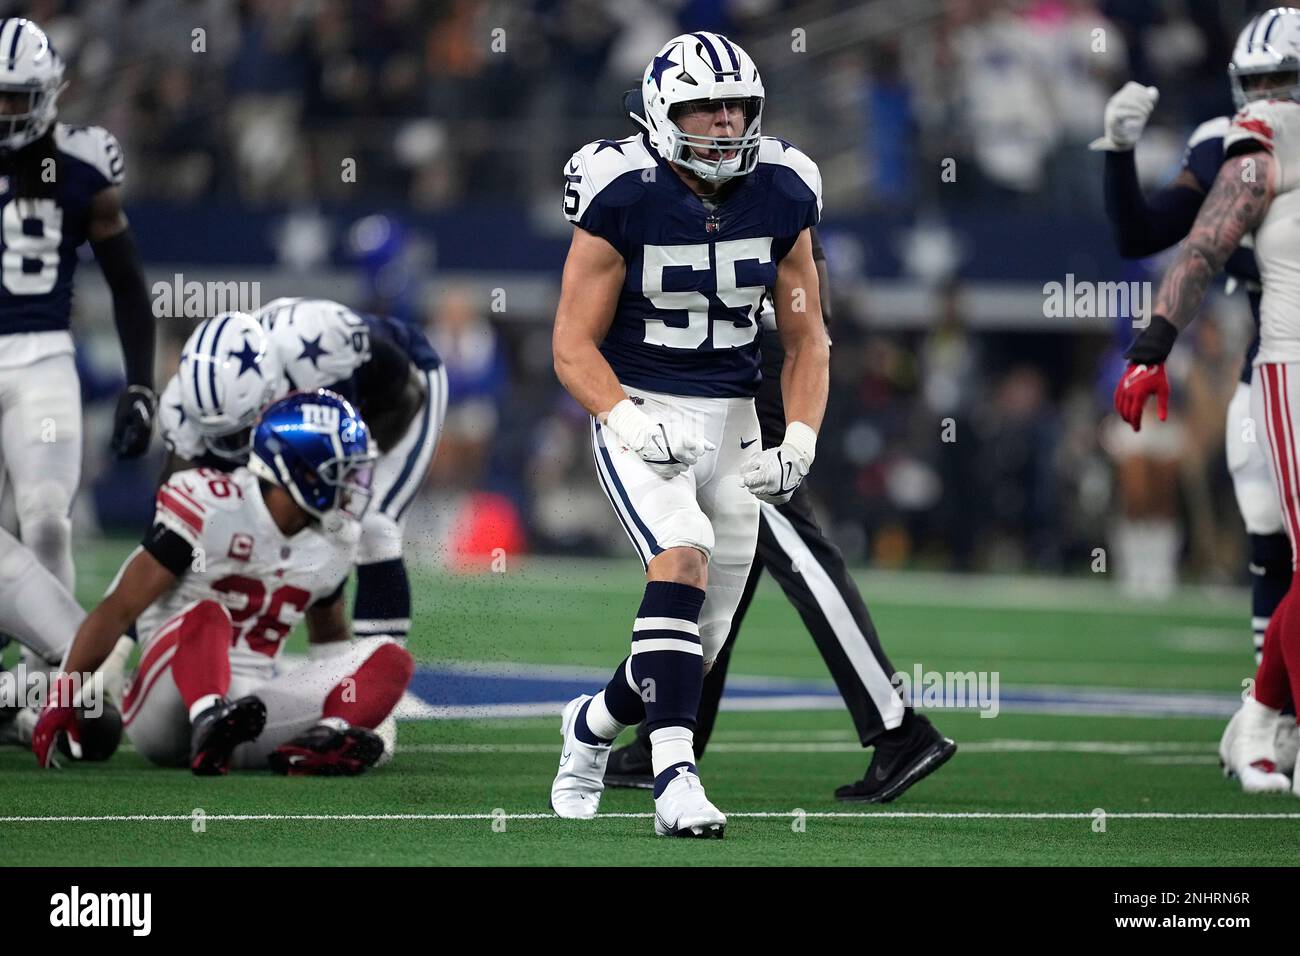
(903, 756)
(630, 766)
(220, 729)
(323, 751)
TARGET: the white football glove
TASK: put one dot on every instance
(667, 447)
(1126, 116)
(773, 474)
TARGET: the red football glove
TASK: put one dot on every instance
(58, 717)
(1139, 383)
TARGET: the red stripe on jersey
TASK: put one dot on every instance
(201, 508)
(1258, 127)
(173, 504)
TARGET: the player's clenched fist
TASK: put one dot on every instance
(666, 447)
(1126, 117)
(773, 474)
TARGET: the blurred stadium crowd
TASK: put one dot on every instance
(458, 115)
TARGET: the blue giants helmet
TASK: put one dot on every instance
(315, 446)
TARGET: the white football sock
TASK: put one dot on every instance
(670, 746)
(600, 721)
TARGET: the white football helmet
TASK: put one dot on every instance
(228, 374)
(28, 67)
(319, 342)
(694, 68)
(1270, 44)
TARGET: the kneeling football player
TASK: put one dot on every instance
(231, 564)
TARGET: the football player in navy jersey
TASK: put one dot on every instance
(680, 233)
(59, 188)
(1145, 225)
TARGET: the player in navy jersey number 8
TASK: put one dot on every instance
(59, 187)
(680, 233)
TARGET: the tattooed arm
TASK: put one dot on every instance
(1235, 206)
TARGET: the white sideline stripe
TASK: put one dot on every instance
(750, 815)
(852, 642)
(1103, 747)
(649, 645)
(665, 624)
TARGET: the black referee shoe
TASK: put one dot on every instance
(630, 766)
(903, 756)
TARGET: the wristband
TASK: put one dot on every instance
(1154, 343)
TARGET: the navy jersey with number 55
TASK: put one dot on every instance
(697, 274)
(39, 237)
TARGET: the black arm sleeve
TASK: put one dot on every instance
(1144, 226)
(382, 380)
(120, 262)
(172, 551)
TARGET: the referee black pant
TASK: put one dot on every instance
(810, 569)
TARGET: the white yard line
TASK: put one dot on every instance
(794, 747)
(746, 815)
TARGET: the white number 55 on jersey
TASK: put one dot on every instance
(726, 332)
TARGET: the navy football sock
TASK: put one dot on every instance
(1270, 572)
(383, 602)
(667, 662)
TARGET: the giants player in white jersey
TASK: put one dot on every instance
(385, 367)
(233, 561)
(1256, 192)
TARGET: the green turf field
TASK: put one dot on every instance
(1023, 788)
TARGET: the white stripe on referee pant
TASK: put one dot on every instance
(838, 615)
(649, 644)
(666, 624)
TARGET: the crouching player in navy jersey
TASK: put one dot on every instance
(681, 231)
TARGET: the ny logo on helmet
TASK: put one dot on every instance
(322, 418)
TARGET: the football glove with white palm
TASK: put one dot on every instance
(667, 447)
(774, 474)
(1126, 117)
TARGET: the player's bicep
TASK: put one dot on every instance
(797, 295)
(1235, 206)
(589, 289)
(107, 218)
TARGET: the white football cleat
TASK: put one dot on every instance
(683, 810)
(387, 732)
(1226, 743)
(1253, 758)
(575, 794)
(1286, 743)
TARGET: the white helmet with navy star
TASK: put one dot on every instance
(695, 68)
(320, 343)
(29, 68)
(228, 374)
(1268, 47)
